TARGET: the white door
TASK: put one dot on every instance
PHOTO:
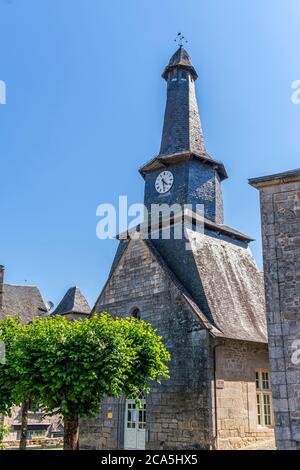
(135, 425)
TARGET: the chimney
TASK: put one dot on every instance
(1, 284)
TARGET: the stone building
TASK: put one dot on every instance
(25, 302)
(203, 293)
(280, 218)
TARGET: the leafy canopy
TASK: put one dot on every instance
(68, 367)
(9, 330)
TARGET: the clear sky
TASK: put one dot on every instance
(85, 103)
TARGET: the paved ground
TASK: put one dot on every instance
(265, 445)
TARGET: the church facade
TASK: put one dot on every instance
(207, 302)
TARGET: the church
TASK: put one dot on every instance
(207, 302)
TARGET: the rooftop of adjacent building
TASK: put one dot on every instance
(73, 302)
(275, 179)
(24, 302)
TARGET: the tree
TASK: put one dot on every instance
(10, 328)
(24, 425)
(4, 431)
(69, 367)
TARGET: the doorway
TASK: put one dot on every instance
(135, 425)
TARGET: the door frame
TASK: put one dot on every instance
(136, 429)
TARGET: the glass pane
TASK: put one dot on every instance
(265, 381)
(257, 379)
(142, 396)
(267, 410)
(131, 415)
(258, 409)
(142, 417)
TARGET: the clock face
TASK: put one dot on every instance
(164, 182)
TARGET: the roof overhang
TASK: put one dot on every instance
(188, 217)
(167, 70)
(276, 179)
(164, 161)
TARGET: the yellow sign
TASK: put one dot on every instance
(109, 415)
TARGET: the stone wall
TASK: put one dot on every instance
(236, 363)
(179, 410)
(280, 217)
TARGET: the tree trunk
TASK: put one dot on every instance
(71, 433)
(24, 425)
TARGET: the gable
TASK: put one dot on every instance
(141, 277)
(135, 273)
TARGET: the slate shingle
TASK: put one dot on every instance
(23, 301)
(73, 302)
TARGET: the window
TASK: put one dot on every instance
(135, 414)
(183, 75)
(263, 398)
(142, 417)
(136, 313)
(32, 434)
(174, 74)
(131, 415)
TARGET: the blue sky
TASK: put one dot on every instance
(85, 103)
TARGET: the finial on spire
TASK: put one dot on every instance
(180, 39)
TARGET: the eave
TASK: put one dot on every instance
(276, 179)
(166, 160)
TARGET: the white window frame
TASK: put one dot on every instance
(263, 394)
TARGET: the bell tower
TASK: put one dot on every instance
(183, 172)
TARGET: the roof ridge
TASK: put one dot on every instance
(19, 285)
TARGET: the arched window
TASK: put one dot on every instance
(136, 313)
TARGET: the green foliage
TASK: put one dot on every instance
(4, 431)
(68, 367)
(9, 330)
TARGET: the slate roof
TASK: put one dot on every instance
(73, 302)
(184, 293)
(220, 279)
(180, 58)
(224, 287)
(23, 301)
(233, 287)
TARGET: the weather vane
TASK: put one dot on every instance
(180, 39)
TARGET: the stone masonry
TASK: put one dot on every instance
(236, 363)
(178, 410)
(280, 218)
(187, 411)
